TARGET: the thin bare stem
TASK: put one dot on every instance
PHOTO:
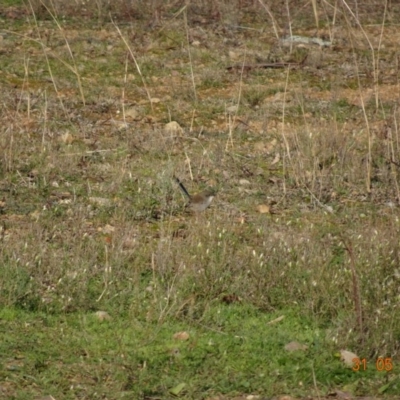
(356, 287)
(41, 43)
(369, 135)
(314, 6)
(290, 25)
(393, 155)
(136, 63)
(378, 55)
(274, 23)
(45, 119)
(285, 141)
(123, 88)
(231, 122)
(375, 67)
(190, 56)
(73, 68)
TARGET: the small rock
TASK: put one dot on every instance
(67, 138)
(232, 109)
(293, 346)
(181, 335)
(103, 316)
(348, 357)
(100, 201)
(263, 209)
(173, 129)
(131, 112)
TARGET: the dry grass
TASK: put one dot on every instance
(91, 218)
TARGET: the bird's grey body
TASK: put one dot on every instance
(200, 201)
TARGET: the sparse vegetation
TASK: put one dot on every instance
(109, 289)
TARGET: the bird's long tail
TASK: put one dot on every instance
(182, 187)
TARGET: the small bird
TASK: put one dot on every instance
(200, 201)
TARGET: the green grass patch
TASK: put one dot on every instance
(233, 350)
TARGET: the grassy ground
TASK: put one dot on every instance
(109, 289)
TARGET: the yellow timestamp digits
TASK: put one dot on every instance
(381, 364)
